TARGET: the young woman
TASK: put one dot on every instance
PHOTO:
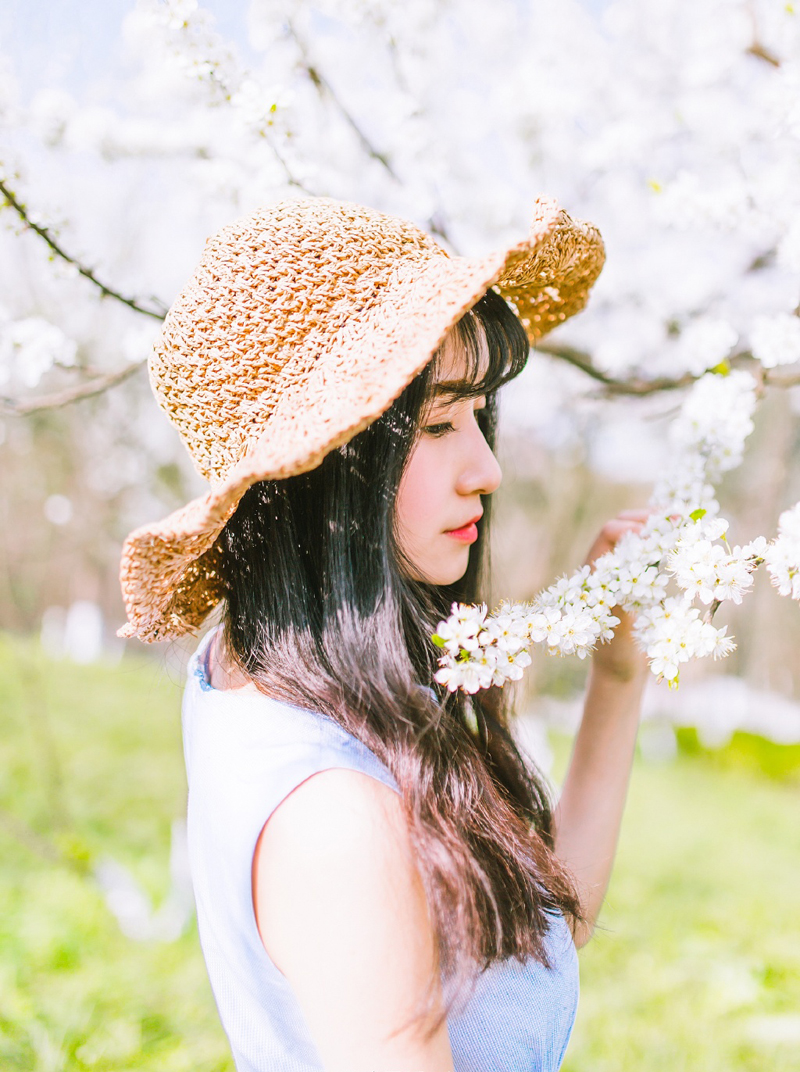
(380, 882)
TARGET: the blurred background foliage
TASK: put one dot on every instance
(696, 964)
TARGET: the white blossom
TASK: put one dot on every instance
(460, 631)
(672, 632)
(716, 419)
(29, 348)
(789, 523)
(693, 144)
(775, 340)
(704, 343)
(782, 556)
(708, 571)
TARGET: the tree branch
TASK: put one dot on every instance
(323, 87)
(640, 386)
(436, 223)
(637, 386)
(780, 381)
(290, 178)
(756, 48)
(13, 407)
(762, 53)
(160, 310)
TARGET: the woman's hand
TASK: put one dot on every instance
(619, 658)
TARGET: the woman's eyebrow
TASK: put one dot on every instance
(451, 387)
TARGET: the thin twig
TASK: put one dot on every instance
(13, 407)
(640, 387)
(44, 233)
(781, 381)
(712, 610)
(637, 386)
(290, 178)
(761, 52)
(323, 87)
(756, 48)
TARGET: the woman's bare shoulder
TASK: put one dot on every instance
(342, 912)
(342, 833)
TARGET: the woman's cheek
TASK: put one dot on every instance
(423, 488)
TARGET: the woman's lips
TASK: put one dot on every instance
(466, 534)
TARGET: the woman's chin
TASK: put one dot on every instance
(450, 572)
(440, 570)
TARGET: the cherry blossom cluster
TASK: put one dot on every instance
(30, 347)
(670, 576)
(181, 33)
(782, 556)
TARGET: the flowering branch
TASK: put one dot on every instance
(158, 311)
(640, 387)
(679, 544)
(183, 31)
(583, 361)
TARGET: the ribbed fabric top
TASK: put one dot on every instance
(244, 754)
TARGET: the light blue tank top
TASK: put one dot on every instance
(244, 754)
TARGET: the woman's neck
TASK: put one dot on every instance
(223, 673)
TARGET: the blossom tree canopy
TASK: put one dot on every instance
(679, 135)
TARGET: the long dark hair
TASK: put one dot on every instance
(320, 612)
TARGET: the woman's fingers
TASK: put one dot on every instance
(617, 526)
(635, 515)
(614, 530)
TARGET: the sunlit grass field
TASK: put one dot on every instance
(696, 967)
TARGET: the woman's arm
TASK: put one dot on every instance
(589, 812)
(342, 912)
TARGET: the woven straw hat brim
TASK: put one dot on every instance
(170, 569)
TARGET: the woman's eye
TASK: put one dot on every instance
(438, 429)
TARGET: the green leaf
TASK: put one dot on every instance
(697, 514)
(438, 641)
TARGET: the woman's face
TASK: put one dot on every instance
(451, 466)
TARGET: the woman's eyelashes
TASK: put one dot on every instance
(437, 430)
(441, 428)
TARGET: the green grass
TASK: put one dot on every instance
(697, 964)
(74, 992)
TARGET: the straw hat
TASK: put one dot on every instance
(300, 326)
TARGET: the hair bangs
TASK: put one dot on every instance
(494, 345)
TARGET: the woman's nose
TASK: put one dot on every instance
(481, 473)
